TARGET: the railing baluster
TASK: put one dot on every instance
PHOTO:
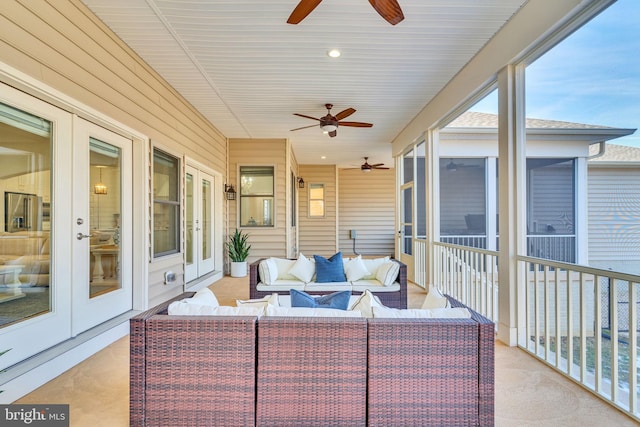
(547, 316)
(633, 347)
(569, 320)
(583, 329)
(613, 325)
(598, 334)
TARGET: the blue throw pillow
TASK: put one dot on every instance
(338, 300)
(330, 270)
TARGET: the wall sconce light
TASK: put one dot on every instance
(230, 192)
(300, 182)
(100, 188)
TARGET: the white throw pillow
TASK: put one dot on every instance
(309, 312)
(435, 299)
(355, 269)
(268, 271)
(418, 313)
(284, 265)
(303, 269)
(203, 297)
(365, 303)
(261, 302)
(180, 308)
(372, 265)
(388, 272)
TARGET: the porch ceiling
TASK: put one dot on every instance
(247, 70)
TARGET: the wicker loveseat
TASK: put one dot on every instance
(307, 371)
(391, 296)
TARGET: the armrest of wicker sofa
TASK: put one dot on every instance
(180, 365)
(440, 370)
(389, 299)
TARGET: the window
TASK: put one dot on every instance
(551, 209)
(256, 196)
(316, 200)
(463, 201)
(166, 204)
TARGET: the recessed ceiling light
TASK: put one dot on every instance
(334, 53)
(323, 157)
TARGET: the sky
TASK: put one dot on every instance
(591, 77)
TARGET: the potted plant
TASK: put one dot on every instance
(238, 252)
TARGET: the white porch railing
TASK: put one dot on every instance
(469, 275)
(420, 262)
(584, 322)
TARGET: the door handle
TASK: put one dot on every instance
(81, 236)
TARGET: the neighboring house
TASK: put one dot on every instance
(562, 166)
(614, 208)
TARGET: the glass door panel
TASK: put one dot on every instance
(25, 177)
(207, 206)
(105, 208)
(191, 268)
(34, 277)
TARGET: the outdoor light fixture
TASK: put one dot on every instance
(100, 188)
(300, 182)
(329, 127)
(230, 192)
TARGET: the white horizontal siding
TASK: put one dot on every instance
(65, 46)
(367, 205)
(318, 235)
(614, 218)
(265, 241)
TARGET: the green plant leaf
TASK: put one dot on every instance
(238, 247)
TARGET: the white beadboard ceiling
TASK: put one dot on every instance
(248, 71)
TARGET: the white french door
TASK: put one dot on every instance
(102, 207)
(65, 233)
(199, 212)
(35, 266)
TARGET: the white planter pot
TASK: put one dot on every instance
(238, 269)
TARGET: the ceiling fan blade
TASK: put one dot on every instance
(333, 133)
(355, 124)
(389, 9)
(304, 8)
(377, 165)
(345, 113)
(306, 117)
(304, 127)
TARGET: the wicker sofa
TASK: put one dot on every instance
(391, 296)
(306, 371)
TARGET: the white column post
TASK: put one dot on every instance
(512, 165)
